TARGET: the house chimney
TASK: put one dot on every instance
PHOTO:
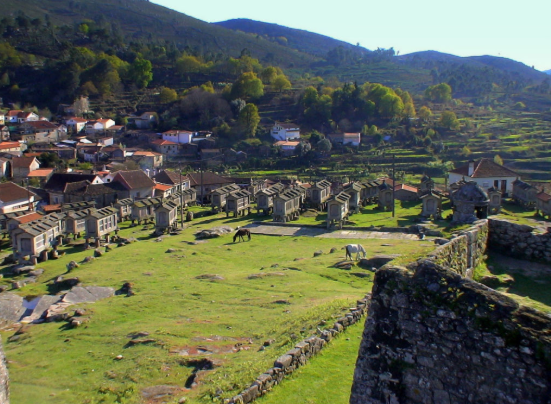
(471, 168)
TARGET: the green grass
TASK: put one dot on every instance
(321, 381)
(54, 364)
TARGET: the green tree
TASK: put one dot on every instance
(424, 113)
(302, 148)
(324, 146)
(49, 160)
(498, 159)
(188, 64)
(373, 130)
(281, 83)
(465, 151)
(167, 95)
(141, 72)
(439, 93)
(249, 119)
(409, 110)
(390, 106)
(247, 86)
(448, 120)
(269, 74)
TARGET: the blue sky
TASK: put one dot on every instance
(518, 30)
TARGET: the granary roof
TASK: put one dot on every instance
(353, 186)
(543, 197)
(148, 202)
(167, 204)
(470, 192)
(322, 184)
(104, 212)
(226, 189)
(341, 197)
(124, 202)
(78, 205)
(485, 168)
(522, 185)
(39, 226)
(289, 194)
(243, 193)
(10, 192)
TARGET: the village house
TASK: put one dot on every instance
(403, 192)
(76, 124)
(90, 153)
(136, 183)
(18, 116)
(346, 139)
(98, 126)
(11, 147)
(486, 174)
(285, 131)
(165, 146)
(205, 182)
(177, 181)
(42, 131)
(101, 195)
(5, 133)
(148, 159)
(178, 136)
(14, 198)
(286, 147)
(57, 185)
(41, 174)
(147, 120)
(22, 166)
(104, 140)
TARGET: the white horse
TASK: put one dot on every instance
(355, 249)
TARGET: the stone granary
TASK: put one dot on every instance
(494, 204)
(144, 209)
(189, 197)
(101, 222)
(33, 239)
(524, 194)
(370, 192)
(426, 185)
(432, 204)
(543, 204)
(287, 205)
(320, 193)
(470, 203)
(337, 209)
(166, 215)
(76, 206)
(219, 195)
(238, 202)
(354, 190)
(124, 207)
(265, 198)
(75, 222)
(385, 196)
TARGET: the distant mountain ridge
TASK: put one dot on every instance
(547, 71)
(301, 40)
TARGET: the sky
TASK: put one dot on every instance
(519, 30)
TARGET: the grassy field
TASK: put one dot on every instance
(271, 288)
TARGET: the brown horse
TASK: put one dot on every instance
(241, 233)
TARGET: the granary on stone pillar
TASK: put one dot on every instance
(265, 198)
(524, 194)
(75, 221)
(237, 202)
(543, 204)
(287, 205)
(320, 193)
(33, 238)
(337, 209)
(370, 192)
(218, 196)
(124, 206)
(166, 214)
(470, 202)
(144, 209)
(189, 197)
(67, 207)
(432, 204)
(494, 206)
(385, 196)
(100, 222)
(354, 190)
(426, 185)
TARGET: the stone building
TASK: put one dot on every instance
(470, 202)
(337, 210)
(385, 196)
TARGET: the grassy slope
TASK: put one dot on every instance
(55, 364)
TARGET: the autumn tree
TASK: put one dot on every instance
(424, 113)
(247, 86)
(167, 95)
(448, 120)
(281, 83)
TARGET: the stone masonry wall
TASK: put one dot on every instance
(298, 356)
(465, 251)
(433, 336)
(519, 241)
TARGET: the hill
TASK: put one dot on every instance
(547, 71)
(301, 40)
(140, 20)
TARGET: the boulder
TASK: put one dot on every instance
(36, 272)
(80, 294)
(72, 265)
(98, 253)
(88, 259)
(333, 250)
(22, 269)
(66, 283)
(318, 253)
(210, 277)
(214, 232)
(377, 261)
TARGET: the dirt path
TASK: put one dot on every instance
(275, 230)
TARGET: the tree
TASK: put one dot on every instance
(390, 106)
(140, 72)
(237, 105)
(249, 119)
(281, 83)
(448, 120)
(424, 114)
(268, 75)
(81, 105)
(439, 93)
(188, 64)
(373, 130)
(167, 95)
(324, 146)
(302, 148)
(498, 159)
(409, 110)
(49, 160)
(247, 86)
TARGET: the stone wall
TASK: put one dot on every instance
(433, 336)
(298, 356)
(465, 251)
(519, 241)
(4, 378)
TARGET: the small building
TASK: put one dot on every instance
(337, 209)
(219, 195)
(265, 198)
(166, 147)
(285, 131)
(144, 209)
(494, 204)
(403, 192)
(238, 202)
(287, 205)
(320, 193)
(177, 181)
(75, 222)
(166, 215)
(42, 175)
(148, 160)
(346, 139)
(524, 194)
(432, 204)
(354, 191)
(470, 202)
(33, 239)
(286, 147)
(136, 184)
(178, 136)
(543, 204)
(101, 222)
(486, 173)
(22, 166)
(385, 196)
(14, 198)
(370, 192)
(124, 207)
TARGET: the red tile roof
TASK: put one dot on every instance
(162, 142)
(22, 162)
(485, 168)
(543, 197)
(9, 145)
(12, 192)
(28, 218)
(405, 188)
(162, 187)
(41, 172)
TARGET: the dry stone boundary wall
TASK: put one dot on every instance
(519, 241)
